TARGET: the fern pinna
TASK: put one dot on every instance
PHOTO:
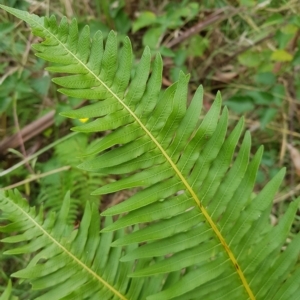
(209, 236)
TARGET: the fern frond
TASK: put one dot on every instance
(70, 264)
(208, 224)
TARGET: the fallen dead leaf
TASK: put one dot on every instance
(225, 76)
(295, 156)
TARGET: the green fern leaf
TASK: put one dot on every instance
(70, 264)
(209, 228)
(7, 294)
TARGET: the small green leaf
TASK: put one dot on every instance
(281, 56)
(289, 29)
(166, 51)
(250, 59)
(145, 19)
(191, 10)
(260, 98)
(152, 36)
(240, 103)
(265, 78)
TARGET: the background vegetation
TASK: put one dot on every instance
(247, 49)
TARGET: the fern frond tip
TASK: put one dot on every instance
(31, 19)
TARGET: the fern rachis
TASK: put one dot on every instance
(203, 212)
